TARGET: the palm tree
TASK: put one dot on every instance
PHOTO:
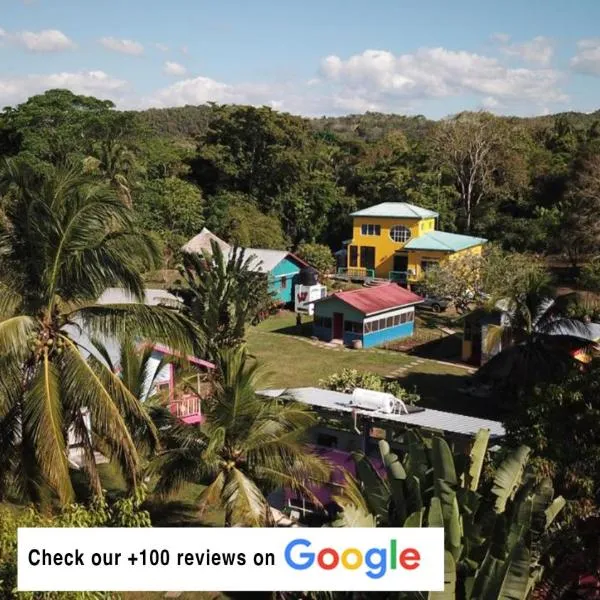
(222, 295)
(117, 165)
(536, 339)
(64, 239)
(248, 447)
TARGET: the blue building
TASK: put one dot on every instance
(374, 315)
(281, 267)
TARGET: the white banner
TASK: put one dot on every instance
(231, 559)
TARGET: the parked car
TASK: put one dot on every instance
(431, 302)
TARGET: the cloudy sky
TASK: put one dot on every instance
(313, 57)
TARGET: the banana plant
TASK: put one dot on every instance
(495, 534)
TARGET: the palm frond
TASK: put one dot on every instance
(43, 422)
(158, 324)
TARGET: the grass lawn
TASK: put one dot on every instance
(289, 360)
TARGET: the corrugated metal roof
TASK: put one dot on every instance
(152, 297)
(442, 240)
(264, 261)
(427, 418)
(400, 210)
(202, 241)
(377, 298)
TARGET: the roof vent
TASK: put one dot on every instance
(377, 401)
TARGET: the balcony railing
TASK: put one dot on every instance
(187, 405)
(356, 273)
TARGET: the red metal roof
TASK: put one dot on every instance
(378, 298)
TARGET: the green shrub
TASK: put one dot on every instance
(349, 379)
(125, 512)
(318, 256)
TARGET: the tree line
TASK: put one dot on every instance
(263, 178)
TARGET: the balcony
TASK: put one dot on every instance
(187, 407)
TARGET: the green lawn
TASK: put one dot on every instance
(289, 360)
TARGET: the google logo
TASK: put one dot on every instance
(376, 561)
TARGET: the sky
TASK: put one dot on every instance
(309, 57)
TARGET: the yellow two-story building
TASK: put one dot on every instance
(399, 241)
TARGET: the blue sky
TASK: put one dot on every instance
(432, 57)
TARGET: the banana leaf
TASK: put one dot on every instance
(414, 520)
(435, 518)
(375, 489)
(509, 476)
(443, 461)
(477, 457)
(516, 580)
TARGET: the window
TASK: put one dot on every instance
(399, 233)
(353, 256)
(352, 327)
(368, 327)
(329, 441)
(410, 316)
(403, 318)
(389, 322)
(370, 229)
(396, 320)
(468, 333)
(283, 283)
(428, 264)
(324, 322)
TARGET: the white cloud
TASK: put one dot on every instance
(123, 46)
(199, 90)
(378, 77)
(502, 38)
(490, 103)
(173, 68)
(538, 50)
(587, 59)
(162, 47)
(47, 40)
(93, 83)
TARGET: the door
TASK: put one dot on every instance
(367, 257)
(400, 263)
(338, 326)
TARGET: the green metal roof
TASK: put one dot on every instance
(400, 210)
(443, 241)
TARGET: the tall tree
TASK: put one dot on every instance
(57, 125)
(560, 422)
(248, 447)
(579, 231)
(63, 240)
(465, 145)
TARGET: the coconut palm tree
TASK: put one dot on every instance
(222, 295)
(248, 447)
(117, 165)
(537, 339)
(64, 239)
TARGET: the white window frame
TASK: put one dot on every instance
(404, 229)
(369, 229)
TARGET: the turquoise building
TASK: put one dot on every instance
(374, 315)
(280, 266)
(282, 269)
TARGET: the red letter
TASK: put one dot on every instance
(335, 559)
(409, 559)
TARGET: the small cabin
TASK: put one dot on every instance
(371, 316)
(281, 267)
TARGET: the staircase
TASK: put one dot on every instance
(374, 281)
